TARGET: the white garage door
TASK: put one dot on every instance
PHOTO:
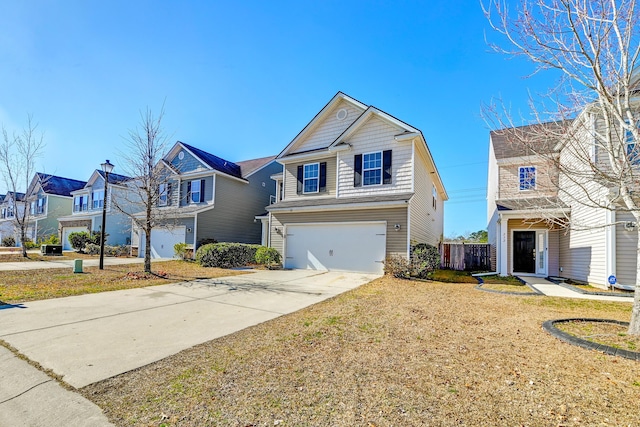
(65, 236)
(162, 241)
(357, 246)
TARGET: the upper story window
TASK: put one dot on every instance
(42, 201)
(372, 168)
(632, 148)
(312, 178)
(195, 190)
(164, 189)
(97, 196)
(80, 203)
(527, 178)
(32, 208)
(434, 197)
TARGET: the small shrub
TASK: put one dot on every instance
(267, 256)
(9, 242)
(398, 266)
(30, 244)
(91, 249)
(51, 240)
(226, 255)
(424, 259)
(78, 240)
(180, 250)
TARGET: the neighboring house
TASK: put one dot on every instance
(535, 224)
(207, 198)
(49, 197)
(8, 210)
(86, 210)
(356, 185)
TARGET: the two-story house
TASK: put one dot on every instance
(552, 213)
(206, 198)
(11, 205)
(86, 211)
(356, 185)
(49, 197)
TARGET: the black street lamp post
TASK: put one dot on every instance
(107, 167)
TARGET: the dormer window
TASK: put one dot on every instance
(527, 178)
(98, 199)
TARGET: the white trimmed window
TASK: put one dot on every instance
(163, 194)
(527, 178)
(434, 197)
(196, 191)
(372, 168)
(98, 199)
(311, 178)
(632, 148)
(40, 207)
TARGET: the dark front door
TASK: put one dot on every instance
(524, 251)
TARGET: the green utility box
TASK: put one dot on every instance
(77, 266)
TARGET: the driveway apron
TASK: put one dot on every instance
(88, 338)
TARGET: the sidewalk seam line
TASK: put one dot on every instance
(26, 391)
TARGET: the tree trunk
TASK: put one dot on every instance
(23, 240)
(147, 250)
(634, 324)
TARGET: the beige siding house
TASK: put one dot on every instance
(536, 222)
(356, 185)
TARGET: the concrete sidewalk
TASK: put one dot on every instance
(88, 338)
(554, 290)
(60, 263)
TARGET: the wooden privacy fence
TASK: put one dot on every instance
(465, 256)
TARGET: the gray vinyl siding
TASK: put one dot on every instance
(208, 190)
(626, 251)
(397, 243)
(187, 164)
(236, 205)
(553, 253)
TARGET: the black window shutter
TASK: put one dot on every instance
(300, 175)
(357, 176)
(202, 190)
(189, 192)
(386, 167)
(168, 193)
(323, 177)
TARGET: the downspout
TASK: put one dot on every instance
(195, 235)
(610, 245)
(269, 232)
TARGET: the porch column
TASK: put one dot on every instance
(503, 252)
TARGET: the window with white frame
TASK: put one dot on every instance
(40, 207)
(434, 197)
(311, 178)
(32, 208)
(80, 203)
(10, 211)
(196, 191)
(372, 168)
(163, 194)
(97, 196)
(632, 148)
(527, 178)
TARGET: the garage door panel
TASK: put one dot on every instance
(343, 247)
(163, 241)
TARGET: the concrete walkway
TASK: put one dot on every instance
(88, 338)
(554, 290)
(62, 263)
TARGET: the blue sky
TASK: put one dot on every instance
(241, 79)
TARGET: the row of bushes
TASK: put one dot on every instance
(117, 250)
(424, 260)
(10, 242)
(231, 255)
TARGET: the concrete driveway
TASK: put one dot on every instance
(89, 338)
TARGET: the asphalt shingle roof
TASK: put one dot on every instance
(114, 178)
(58, 185)
(216, 162)
(527, 140)
(312, 202)
(531, 203)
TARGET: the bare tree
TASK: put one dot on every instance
(592, 47)
(18, 154)
(146, 145)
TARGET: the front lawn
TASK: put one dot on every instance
(392, 352)
(20, 286)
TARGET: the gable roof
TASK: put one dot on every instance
(114, 178)
(214, 162)
(247, 167)
(521, 141)
(57, 185)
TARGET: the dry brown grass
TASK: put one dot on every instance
(21, 286)
(610, 334)
(391, 352)
(32, 256)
